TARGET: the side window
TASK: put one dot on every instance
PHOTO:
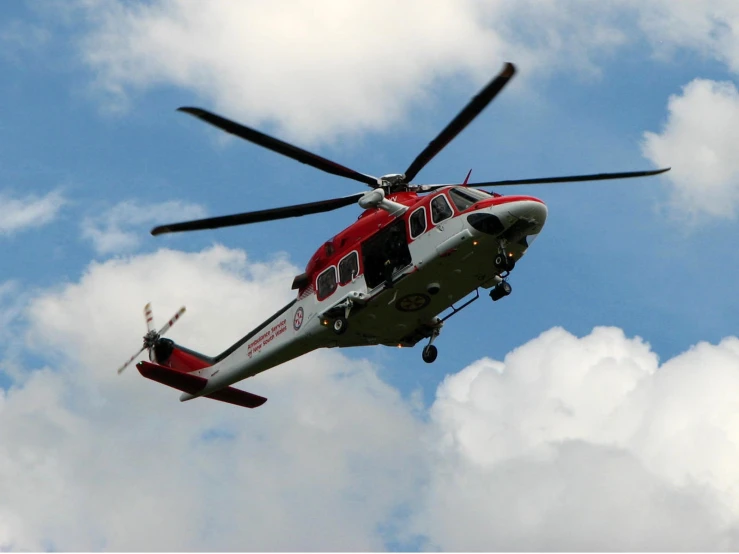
(326, 283)
(417, 222)
(348, 268)
(440, 209)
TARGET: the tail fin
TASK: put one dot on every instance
(170, 354)
(192, 385)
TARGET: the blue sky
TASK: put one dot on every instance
(90, 140)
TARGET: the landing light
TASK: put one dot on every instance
(400, 346)
(475, 243)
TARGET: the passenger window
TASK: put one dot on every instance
(326, 283)
(348, 268)
(440, 209)
(418, 222)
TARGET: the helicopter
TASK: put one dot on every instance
(415, 252)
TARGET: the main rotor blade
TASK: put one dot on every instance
(548, 180)
(470, 112)
(259, 216)
(279, 146)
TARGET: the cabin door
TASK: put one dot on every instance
(385, 253)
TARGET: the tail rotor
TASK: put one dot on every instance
(152, 337)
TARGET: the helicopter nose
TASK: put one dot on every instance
(523, 214)
(529, 209)
(523, 218)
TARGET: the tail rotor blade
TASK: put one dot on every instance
(152, 336)
(169, 324)
(149, 317)
(124, 366)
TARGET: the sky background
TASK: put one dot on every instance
(597, 407)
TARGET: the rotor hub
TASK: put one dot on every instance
(150, 339)
(393, 182)
(393, 178)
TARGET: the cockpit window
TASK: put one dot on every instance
(464, 197)
(440, 209)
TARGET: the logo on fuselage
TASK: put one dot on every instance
(412, 302)
(298, 318)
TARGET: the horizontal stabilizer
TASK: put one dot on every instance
(237, 397)
(192, 384)
(172, 378)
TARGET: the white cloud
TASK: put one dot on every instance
(699, 140)
(88, 456)
(710, 27)
(17, 37)
(319, 70)
(308, 68)
(568, 443)
(587, 444)
(13, 300)
(24, 212)
(118, 228)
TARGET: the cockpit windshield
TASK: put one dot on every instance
(464, 197)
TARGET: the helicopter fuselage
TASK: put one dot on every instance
(388, 278)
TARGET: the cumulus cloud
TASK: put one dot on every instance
(710, 27)
(305, 67)
(18, 37)
(118, 229)
(699, 140)
(322, 69)
(587, 444)
(308, 67)
(95, 461)
(567, 443)
(25, 212)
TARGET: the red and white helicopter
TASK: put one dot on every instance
(414, 253)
